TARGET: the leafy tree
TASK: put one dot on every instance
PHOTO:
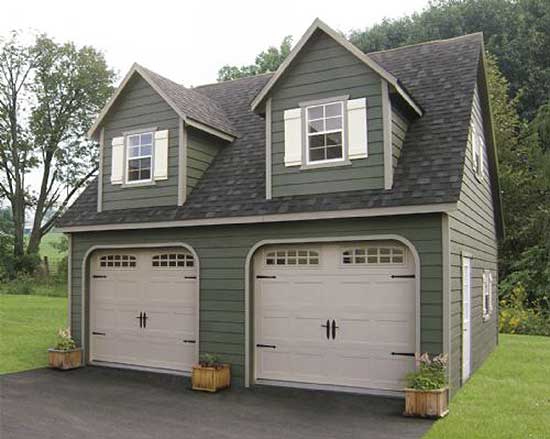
(49, 94)
(524, 169)
(267, 61)
(516, 32)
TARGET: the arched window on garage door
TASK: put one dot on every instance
(173, 260)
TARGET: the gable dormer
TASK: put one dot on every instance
(156, 139)
(335, 119)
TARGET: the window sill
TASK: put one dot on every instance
(139, 184)
(326, 164)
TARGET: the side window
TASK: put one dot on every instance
(292, 257)
(117, 261)
(487, 294)
(173, 260)
(478, 150)
(371, 255)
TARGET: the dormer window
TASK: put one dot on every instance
(139, 157)
(325, 136)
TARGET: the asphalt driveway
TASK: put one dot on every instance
(106, 403)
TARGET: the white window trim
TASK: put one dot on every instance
(487, 291)
(342, 130)
(127, 181)
(478, 145)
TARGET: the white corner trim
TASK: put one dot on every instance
(100, 170)
(319, 24)
(85, 274)
(182, 162)
(387, 130)
(256, 219)
(70, 282)
(446, 272)
(248, 373)
(268, 127)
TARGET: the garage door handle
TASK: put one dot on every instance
(334, 328)
(271, 346)
(404, 354)
(327, 326)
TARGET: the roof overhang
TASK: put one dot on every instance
(320, 25)
(137, 69)
(257, 219)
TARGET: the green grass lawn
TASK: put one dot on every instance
(508, 397)
(28, 327)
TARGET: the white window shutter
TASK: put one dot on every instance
(161, 155)
(357, 128)
(117, 160)
(293, 137)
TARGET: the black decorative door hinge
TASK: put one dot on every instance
(404, 354)
(99, 276)
(403, 276)
(98, 333)
(265, 277)
(271, 346)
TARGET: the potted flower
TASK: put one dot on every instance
(65, 355)
(211, 375)
(427, 392)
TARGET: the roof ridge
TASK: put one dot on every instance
(211, 84)
(424, 43)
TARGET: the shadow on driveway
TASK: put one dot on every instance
(96, 402)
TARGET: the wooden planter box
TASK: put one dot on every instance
(426, 403)
(65, 360)
(211, 379)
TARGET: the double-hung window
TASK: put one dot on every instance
(139, 155)
(325, 132)
(478, 147)
(487, 294)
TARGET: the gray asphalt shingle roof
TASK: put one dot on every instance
(195, 105)
(440, 75)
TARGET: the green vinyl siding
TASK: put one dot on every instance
(473, 231)
(325, 69)
(222, 252)
(399, 128)
(140, 107)
(202, 148)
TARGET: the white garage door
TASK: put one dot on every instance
(336, 314)
(143, 308)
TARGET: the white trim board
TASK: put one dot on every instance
(319, 24)
(250, 375)
(331, 388)
(256, 219)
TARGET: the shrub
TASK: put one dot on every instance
(21, 285)
(210, 360)
(430, 374)
(64, 340)
(515, 318)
